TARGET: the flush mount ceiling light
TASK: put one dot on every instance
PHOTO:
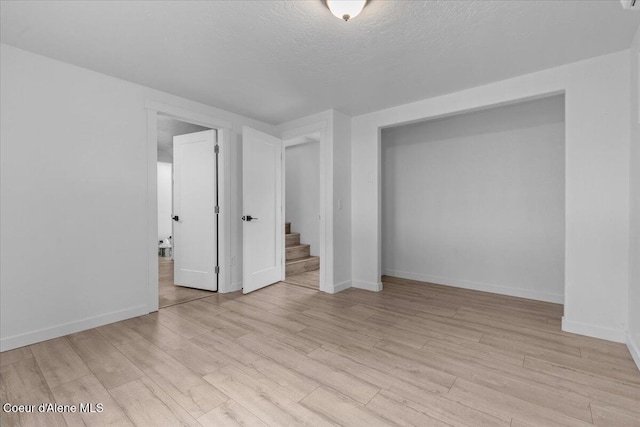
(346, 9)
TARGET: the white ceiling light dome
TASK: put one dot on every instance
(346, 9)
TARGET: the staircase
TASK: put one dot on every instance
(299, 258)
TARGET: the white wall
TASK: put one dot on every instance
(597, 182)
(633, 339)
(341, 203)
(74, 250)
(302, 188)
(165, 180)
(477, 200)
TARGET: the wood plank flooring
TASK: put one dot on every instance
(170, 294)
(415, 354)
(308, 279)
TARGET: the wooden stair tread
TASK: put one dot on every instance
(301, 245)
(300, 265)
(292, 239)
(297, 251)
(304, 259)
(298, 258)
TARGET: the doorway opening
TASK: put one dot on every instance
(187, 193)
(476, 200)
(302, 210)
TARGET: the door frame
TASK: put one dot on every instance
(224, 138)
(325, 239)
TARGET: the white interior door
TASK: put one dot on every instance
(263, 224)
(194, 202)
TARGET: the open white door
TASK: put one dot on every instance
(195, 239)
(263, 225)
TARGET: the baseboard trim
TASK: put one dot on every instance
(634, 349)
(334, 289)
(28, 338)
(477, 286)
(367, 286)
(594, 331)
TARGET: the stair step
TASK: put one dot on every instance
(301, 265)
(298, 251)
(287, 228)
(292, 239)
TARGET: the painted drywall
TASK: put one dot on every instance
(477, 200)
(302, 192)
(597, 136)
(633, 338)
(341, 199)
(74, 185)
(165, 180)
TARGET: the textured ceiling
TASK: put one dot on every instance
(279, 60)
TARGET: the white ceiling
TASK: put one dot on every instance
(279, 60)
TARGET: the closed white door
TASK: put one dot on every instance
(263, 224)
(195, 237)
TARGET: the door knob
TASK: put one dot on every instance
(248, 218)
(175, 218)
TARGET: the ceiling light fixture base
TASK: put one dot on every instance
(345, 9)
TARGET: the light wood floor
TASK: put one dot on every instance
(170, 294)
(308, 279)
(414, 354)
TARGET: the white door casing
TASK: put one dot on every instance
(194, 201)
(263, 237)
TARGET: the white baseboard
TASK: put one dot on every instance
(334, 289)
(595, 331)
(28, 338)
(368, 286)
(477, 286)
(634, 349)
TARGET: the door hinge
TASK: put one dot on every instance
(217, 209)
(217, 149)
(217, 269)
